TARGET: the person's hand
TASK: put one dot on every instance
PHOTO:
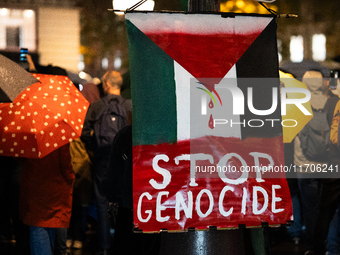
(31, 66)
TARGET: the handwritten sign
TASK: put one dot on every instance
(189, 172)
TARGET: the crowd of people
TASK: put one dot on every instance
(315, 194)
(46, 201)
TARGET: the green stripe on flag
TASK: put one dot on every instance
(152, 90)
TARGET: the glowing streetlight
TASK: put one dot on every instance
(4, 11)
(126, 4)
(28, 13)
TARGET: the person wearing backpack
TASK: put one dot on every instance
(105, 117)
(117, 185)
(310, 151)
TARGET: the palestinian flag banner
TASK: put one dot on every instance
(205, 146)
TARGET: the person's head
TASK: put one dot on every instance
(314, 83)
(313, 80)
(112, 82)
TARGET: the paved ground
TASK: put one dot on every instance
(279, 242)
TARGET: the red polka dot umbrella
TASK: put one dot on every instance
(45, 116)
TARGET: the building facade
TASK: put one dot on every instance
(314, 34)
(49, 29)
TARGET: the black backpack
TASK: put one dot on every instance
(315, 137)
(109, 121)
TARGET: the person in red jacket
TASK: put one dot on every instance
(46, 198)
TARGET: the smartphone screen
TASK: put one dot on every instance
(333, 80)
(23, 53)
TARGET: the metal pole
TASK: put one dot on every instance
(203, 5)
(209, 242)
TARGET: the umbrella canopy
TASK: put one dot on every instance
(331, 64)
(298, 69)
(293, 113)
(13, 79)
(45, 116)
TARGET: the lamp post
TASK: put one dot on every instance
(119, 7)
(203, 5)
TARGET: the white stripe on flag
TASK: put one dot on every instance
(231, 129)
(182, 80)
(189, 107)
(200, 24)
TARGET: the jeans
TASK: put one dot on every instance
(42, 240)
(296, 229)
(333, 237)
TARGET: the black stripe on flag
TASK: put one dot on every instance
(260, 61)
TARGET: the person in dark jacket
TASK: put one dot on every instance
(330, 195)
(117, 186)
(112, 83)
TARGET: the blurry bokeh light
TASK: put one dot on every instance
(28, 13)
(319, 47)
(245, 6)
(4, 11)
(296, 48)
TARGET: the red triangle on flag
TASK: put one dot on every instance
(205, 56)
(207, 46)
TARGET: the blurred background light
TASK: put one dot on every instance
(117, 62)
(28, 13)
(4, 11)
(105, 63)
(296, 48)
(319, 47)
(245, 6)
(82, 75)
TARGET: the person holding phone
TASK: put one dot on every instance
(334, 80)
(26, 61)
